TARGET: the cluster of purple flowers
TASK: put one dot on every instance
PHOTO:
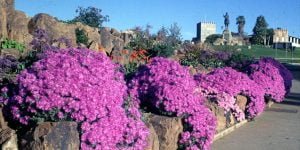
(87, 87)
(272, 76)
(169, 87)
(224, 84)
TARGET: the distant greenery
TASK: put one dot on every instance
(258, 51)
(81, 37)
(7, 43)
(162, 44)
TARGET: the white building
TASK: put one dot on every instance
(295, 41)
(204, 29)
(282, 39)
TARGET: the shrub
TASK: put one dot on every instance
(272, 76)
(9, 67)
(81, 37)
(239, 61)
(7, 43)
(84, 86)
(168, 88)
(224, 84)
(162, 50)
(206, 58)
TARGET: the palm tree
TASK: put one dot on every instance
(240, 21)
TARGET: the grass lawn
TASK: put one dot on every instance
(258, 51)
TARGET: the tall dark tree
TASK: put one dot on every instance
(90, 16)
(240, 21)
(260, 31)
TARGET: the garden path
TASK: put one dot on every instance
(278, 128)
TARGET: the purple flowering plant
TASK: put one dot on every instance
(270, 74)
(84, 86)
(168, 87)
(224, 84)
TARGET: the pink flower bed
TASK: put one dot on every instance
(84, 86)
(275, 79)
(169, 87)
(224, 84)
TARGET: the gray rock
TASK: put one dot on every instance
(168, 130)
(52, 136)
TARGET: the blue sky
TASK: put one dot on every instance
(125, 14)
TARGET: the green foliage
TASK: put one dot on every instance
(141, 41)
(212, 38)
(81, 37)
(162, 50)
(260, 31)
(174, 37)
(161, 44)
(29, 59)
(130, 69)
(7, 43)
(90, 16)
(190, 58)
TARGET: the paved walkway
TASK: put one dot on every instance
(278, 128)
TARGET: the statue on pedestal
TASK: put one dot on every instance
(227, 37)
(226, 20)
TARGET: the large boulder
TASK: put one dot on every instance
(18, 28)
(153, 141)
(57, 29)
(52, 136)
(8, 137)
(224, 119)
(13, 24)
(6, 9)
(110, 40)
(241, 102)
(167, 129)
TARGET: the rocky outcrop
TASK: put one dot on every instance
(110, 40)
(241, 102)
(52, 136)
(6, 9)
(17, 26)
(8, 137)
(153, 141)
(167, 130)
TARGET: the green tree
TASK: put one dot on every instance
(212, 38)
(260, 31)
(162, 34)
(240, 21)
(174, 37)
(90, 16)
(81, 37)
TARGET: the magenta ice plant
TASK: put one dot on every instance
(87, 87)
(169, 87)
(272, 76)
(224, 84)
